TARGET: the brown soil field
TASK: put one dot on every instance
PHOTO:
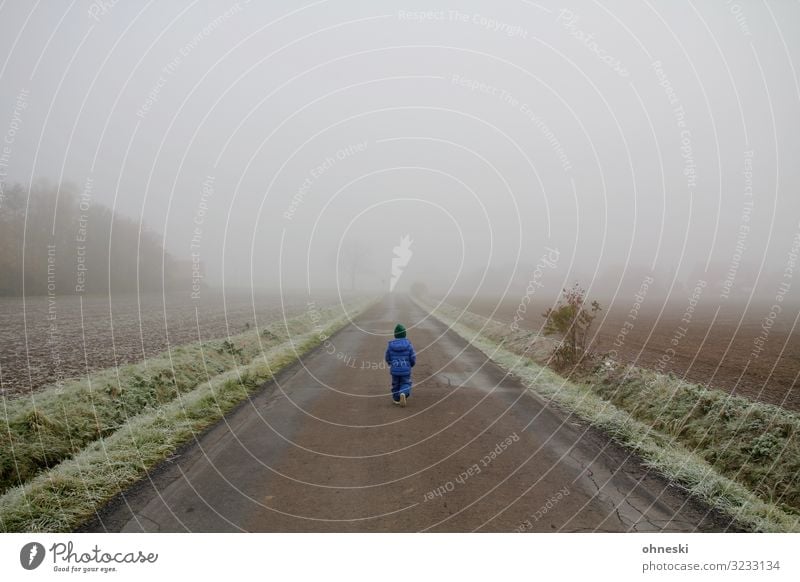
(715, 348)
(123, 329)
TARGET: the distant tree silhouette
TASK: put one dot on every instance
(46, 234)
(355, 259)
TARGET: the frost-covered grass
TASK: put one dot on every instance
(154, 418)
(740, 456)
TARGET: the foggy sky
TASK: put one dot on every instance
(286, 138)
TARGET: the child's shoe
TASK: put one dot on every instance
(403, 400)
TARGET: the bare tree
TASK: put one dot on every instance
(355, 261)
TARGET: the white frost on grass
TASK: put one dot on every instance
(63, 497)
(659, 451)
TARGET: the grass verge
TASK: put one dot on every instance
(60, 498)
(740, 456)
(43, 429)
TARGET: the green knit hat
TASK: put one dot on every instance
(399, 330)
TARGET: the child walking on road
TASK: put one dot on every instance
(401, 357)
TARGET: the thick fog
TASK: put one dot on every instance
(279, 144)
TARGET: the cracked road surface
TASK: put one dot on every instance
(324, 449)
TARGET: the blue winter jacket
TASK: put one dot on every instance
(400, 356)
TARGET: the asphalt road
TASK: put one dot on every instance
(324, 449)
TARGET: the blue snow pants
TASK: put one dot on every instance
(401, 385)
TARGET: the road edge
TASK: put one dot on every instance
(60, 499)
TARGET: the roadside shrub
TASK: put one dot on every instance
(572, 320)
